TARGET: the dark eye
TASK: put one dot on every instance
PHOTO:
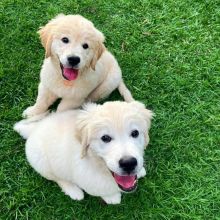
(65, 40)
(85, 46)
(106, 138)
(135, 133)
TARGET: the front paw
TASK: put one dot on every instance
(142, 173)
(75, 193)
(31, 111)
(114, 199)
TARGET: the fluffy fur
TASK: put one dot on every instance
(98, 72)
(68, 147)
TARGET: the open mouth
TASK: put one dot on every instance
(69, 73)
(126, 183)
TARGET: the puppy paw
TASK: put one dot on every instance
(31, 111)
(142, 173)
(114, 199)
(73, 191)
(75, 194)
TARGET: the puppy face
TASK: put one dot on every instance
(117, 132)
(74, 42)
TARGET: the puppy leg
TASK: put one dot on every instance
(142, 173)
(71, 190)
(110, 83)
(113, 199)
(67, 104)
(45, 98)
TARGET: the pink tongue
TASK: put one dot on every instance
(70, 73)
(125, 181)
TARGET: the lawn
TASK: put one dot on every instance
(170, 57)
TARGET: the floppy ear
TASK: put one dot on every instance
(84, 138)
(100, 48)
(98, 53)
(147, 116)
(145, 113)
(83, 131)
(46, 39)
(46, 34)
(84, 127)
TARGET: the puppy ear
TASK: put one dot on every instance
(46, 39)
(84, 126)
(84, 139)
(147, 116)
(97, 55)
(83, 132)
(46, 34)
(145, 113)
(99, 49)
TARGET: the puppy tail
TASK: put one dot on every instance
(124, 91)
(24, 128)
(27, 126)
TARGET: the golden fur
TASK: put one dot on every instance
(99, 72)
(68, 147)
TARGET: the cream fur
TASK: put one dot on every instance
(67, 147)
(99, 72)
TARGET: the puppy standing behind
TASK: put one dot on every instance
(98, 149)
(77, 66)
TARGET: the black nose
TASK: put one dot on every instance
(128, 164)
(73, 61)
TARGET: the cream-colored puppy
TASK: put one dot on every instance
(77, 66)
(98, 149)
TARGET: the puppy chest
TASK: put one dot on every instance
(73, 90)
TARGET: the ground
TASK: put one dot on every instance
(169, 55)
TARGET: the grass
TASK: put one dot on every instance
(169, 55)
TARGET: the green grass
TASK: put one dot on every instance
(170, 57)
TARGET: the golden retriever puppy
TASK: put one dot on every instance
(98, 149)
(77, 66)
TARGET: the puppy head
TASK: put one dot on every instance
(74, 42)
(117, 132)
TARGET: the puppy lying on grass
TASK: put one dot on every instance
(77, 66)
(98, 149)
